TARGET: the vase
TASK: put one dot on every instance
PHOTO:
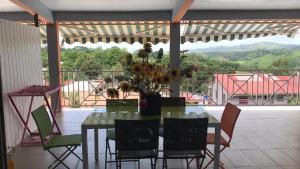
(150, 104)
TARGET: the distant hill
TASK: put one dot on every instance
(258, 55)
(241, 48)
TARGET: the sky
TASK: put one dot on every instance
(282, 39)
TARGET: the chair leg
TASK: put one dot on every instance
(109, 150)
(197, 162)
(211, 155)
(201, 164)
(165, 164)
(139, 164)
(61, 158)
(187, 163)
(151, 161)
(118, 163)
(72, 151)
(155, 162)
(106, 142)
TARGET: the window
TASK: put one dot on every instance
(243, 100)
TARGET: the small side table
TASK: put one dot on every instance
(35, 91)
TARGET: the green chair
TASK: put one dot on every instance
(51, 141)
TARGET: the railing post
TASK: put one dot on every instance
(54, 61)
(175, 55)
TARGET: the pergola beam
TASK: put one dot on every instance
(113, 16)
(160, 15)
(240, 14)
(181, 7)
(36, 7)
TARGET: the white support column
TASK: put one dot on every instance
(175, 55)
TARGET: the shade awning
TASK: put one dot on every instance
(155, 32)
(117, 32)
(206, 31)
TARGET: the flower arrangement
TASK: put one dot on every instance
(147, 75)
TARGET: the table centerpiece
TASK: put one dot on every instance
(148, 77)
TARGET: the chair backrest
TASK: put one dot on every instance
(185, 134)
(173, 101)
(136, 135)
(122, 102)
(229, 118)
(43, 122)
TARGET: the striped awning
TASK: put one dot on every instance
(117, 32)
(206, 31)
(155, 32)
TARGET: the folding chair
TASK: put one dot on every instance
(135, 140)
(50, 141)
(185, 139)
(171, 104)
(228, 121)
(173, 101)
(130, 105)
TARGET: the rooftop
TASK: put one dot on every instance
(264, 84)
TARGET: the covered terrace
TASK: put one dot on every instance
(264, 137)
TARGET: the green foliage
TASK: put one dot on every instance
(256, 56)
(91, 68)
(44, 56)
(74, 99)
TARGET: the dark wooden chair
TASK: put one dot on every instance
(130, 105)
(185, 139)
(173, 101)
(135, 140)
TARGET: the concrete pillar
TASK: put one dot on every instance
(54, 60)
(175, 55)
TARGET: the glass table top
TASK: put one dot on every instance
(104, 118)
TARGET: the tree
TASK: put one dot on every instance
(91, 68)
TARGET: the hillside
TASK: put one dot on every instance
(250, 47)
(255, 56)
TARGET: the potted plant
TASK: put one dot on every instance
(148, 76)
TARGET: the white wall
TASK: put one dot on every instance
(20, 67)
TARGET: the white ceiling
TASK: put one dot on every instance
(7, 6)
(145, 5)
(109, 5)
(245, 4)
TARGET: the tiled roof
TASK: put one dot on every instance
(264, 84)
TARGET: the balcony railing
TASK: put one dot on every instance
(241, 87)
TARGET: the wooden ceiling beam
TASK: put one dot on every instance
(36, 7)
(181, 7)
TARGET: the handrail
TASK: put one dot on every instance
(239, 86)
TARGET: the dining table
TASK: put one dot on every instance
(104, 118)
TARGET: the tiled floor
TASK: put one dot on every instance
(264, 138)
